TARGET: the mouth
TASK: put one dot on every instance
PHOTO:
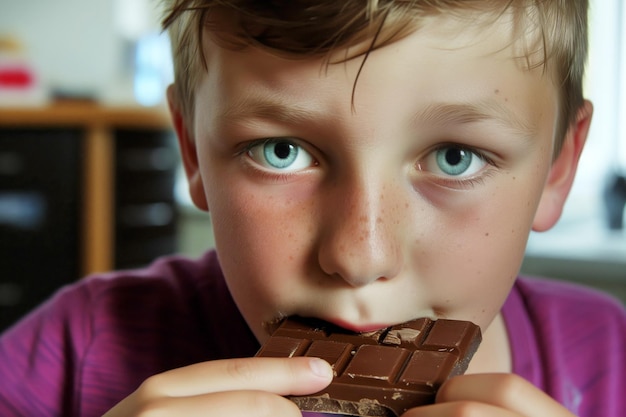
(338, 325)
(364, 328)
(412, 359)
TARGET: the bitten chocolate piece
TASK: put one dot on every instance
(382, 373)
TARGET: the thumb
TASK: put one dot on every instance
(318, 374)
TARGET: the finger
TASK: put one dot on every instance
(506, 391)
(230, 403)
(293, 376)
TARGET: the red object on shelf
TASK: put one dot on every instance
(16, 78)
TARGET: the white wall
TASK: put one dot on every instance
(71, 42)
(86, 46)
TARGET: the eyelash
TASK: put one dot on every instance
(245, 147)
(275, 176)
(469, 182)
(248, 146)
(464, 183)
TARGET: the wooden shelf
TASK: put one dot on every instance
(84, 114)
(99, 124)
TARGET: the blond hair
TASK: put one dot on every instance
(304, 28)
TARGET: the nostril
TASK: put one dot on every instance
(357, 281)
(358, 242)
(359, 265)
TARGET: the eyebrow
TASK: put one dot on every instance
(272, 108)
(468, 113)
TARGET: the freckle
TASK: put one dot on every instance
(483, 310)
(487, 234)
(379, 219)
(506, 99)
(497, 91)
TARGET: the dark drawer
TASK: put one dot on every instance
(142, 249)
(145, 188)
(40, 202)
(145, 178)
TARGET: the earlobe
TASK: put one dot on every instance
(188, 151)
(563, 171)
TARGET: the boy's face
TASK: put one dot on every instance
(415, 202)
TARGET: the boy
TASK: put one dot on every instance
(365, 163)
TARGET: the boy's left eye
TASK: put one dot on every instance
(454, 161)
(280, 154)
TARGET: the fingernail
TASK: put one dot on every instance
(321, 368)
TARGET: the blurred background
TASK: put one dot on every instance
(89, 172)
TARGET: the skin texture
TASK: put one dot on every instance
(366, 227)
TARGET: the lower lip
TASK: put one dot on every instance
(358, 329)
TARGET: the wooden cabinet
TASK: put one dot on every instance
(83, 189)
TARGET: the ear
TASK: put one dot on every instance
(188, 151)
(563, 171)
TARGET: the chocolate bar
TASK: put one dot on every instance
(381, 373)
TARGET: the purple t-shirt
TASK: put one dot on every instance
(94, 342)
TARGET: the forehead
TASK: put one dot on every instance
(445, 59)
(299, 29)
(291, 35)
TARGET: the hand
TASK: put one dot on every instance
(490, 395)
(233, 387)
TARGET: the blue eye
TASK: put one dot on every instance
(454, 161)
(280, 154)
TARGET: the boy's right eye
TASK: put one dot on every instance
(280, 154)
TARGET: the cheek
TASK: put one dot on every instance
(480, 249)
(261, 240)
(257, 225)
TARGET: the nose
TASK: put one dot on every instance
(360, 240)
